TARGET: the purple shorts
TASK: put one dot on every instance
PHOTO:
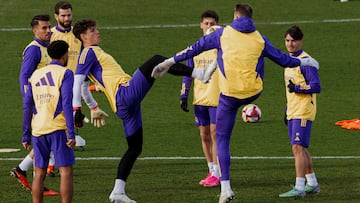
(204, 115)
(299, 131)
(55, 142)
(128, 102)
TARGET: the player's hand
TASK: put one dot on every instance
(71, 143)
(26, 141)
(184, 104)
(291, 86)
(78, 118)
(26, 145)
(162, 68)
(98, 117)
(309, 61)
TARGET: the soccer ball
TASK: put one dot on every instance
(251, 113)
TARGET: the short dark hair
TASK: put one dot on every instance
(210, 14)
(62, 5)
(42, 17)
(81, 26)
(244, 10)
(57, 49)
(295, 32)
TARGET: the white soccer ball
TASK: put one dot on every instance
(251, 113)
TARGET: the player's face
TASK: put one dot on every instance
(42, 31)
(64, 18)
(292, 45)
(92, 36)
(206, 23)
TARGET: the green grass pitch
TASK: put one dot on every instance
(331, 36)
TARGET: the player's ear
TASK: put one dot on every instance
(82, 36)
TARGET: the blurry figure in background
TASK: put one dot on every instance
(206, 99)
(63, 13)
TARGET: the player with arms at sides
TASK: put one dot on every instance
(124, 93)
(63, 31)
(35, 56)
(302, 84)
(48, 121)
(241, 56)
(206, 99)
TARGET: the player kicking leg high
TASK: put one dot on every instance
(124, 93)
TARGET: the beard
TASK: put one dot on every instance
(62, 24)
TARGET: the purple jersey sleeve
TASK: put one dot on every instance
(85, 67)
(31, 58)
(66, 97)
(186, 81)
(312, 80)
(278, 56)
(90, 65)
(28, 106)
(205, 43)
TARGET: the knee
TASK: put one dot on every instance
(297, 149)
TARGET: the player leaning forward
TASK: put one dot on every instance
(124, 93)
(51, 127)
(241, 51)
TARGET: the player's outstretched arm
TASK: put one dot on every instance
(162, 67)
(309, 61)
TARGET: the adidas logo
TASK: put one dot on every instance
(46, 81)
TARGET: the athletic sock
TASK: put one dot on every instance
(26, 163)
(215, 171)
(52, 159)
(311, 179)
(119, 186)
(210, 166)
(225, 185)
(300, 183)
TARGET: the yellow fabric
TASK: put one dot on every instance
(241, 52)
(112, 74)
(74, 46)
(46, 98)
(45, 58)
(299, 105)
(206, 94)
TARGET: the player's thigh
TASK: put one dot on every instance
(41, 150)
(63, 155)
